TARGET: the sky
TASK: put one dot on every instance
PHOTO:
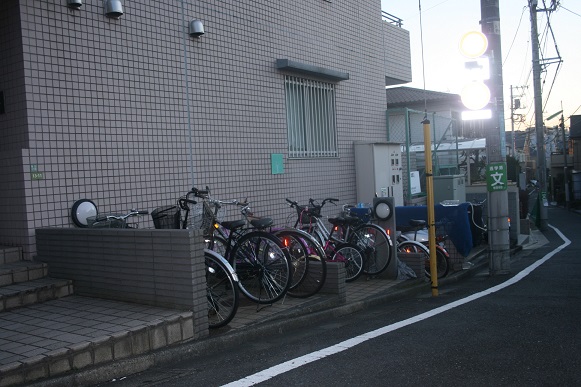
(443, 22)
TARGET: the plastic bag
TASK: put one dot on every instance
(404, 272)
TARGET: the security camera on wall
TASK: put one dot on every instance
(196, 28)
(113, 9)
(74, 4)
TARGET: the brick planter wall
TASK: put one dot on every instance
(147, 266)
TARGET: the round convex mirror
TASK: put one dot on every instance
(382, 209)
(81, 210)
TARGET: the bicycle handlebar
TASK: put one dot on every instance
(201, 193)
(130, 213)
(327, 200)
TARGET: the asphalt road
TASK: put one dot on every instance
(527, 333)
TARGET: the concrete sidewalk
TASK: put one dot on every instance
(79, 340)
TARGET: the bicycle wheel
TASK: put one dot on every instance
(221, 290)
(298, 255)
(263, 267)
(218, 244)
(441, 263)
(312, 258)
(348, 253)
(375, 245)
(413, 247)
(315, 233)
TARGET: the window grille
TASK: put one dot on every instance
(310, 116)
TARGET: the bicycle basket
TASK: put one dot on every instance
(203, 217)
(166, 217)
(308, 216)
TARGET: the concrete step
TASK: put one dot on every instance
(9, 254)
(33, 292)
(21, 271)
(69, 334)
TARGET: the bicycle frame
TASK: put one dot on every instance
(319, 229)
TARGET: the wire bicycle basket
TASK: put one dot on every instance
(202, 217)
(166, 217)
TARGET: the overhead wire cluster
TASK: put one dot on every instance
(546, 37)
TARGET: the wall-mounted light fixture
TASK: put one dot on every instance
(74, 4)
(113, 8)
(196, 28)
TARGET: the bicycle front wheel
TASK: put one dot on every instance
(221, 290)
(375, 245)
(353, 259)
(308, 261)
(263, 267)
(441, 263)
(413, 247)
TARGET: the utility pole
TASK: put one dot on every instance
(566, 178)
(512, 109)
(498, 230)
(515, 104)
(539, 126)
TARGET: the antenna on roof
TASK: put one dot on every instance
(423, 68)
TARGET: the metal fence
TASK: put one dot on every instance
(405, 126)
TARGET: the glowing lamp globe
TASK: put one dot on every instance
(473, 44)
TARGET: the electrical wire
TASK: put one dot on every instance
(515, 35)
(566, 9)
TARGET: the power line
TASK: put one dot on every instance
(515, 35)
(574, 13)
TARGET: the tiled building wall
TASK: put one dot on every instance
(397, 53)
(13, 134)
(110, 118)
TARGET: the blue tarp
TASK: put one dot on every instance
(452, 220)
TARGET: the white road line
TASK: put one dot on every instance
(350, 343)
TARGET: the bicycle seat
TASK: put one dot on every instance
(233, 224)
(340, 221)
(420, 223)
(261, 223)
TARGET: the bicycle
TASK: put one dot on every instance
(308, 260)
(221, 279)
(335, 249)
(370, 238)
(417, 232)
(259, 258)
(114, 221)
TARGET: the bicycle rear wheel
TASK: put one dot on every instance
(308, 261)
(263, 267)
(353, 259)
(221, 290)
(375, 245)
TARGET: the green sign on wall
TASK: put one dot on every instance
(496, 177)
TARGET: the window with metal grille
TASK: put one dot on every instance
(310, 117)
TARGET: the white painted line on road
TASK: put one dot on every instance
(347, 344)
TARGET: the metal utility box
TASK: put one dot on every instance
(450, 187)
(378, 170)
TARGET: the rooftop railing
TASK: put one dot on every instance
(391, 19)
